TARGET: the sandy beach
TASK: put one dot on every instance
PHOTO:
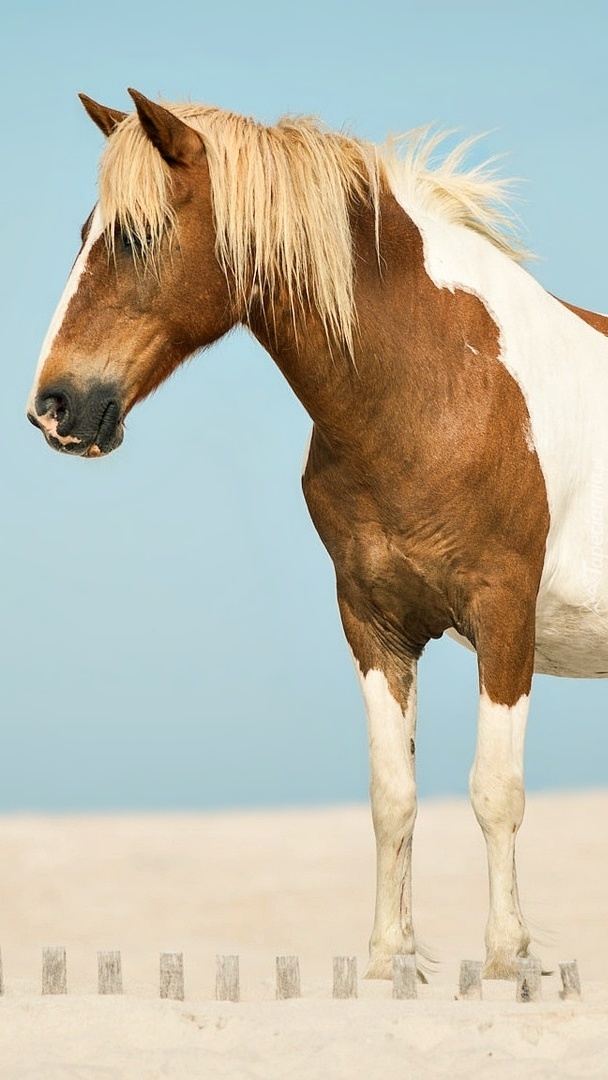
(301, 882)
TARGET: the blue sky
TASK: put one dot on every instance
(169, 630)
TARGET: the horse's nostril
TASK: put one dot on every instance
(55, 405)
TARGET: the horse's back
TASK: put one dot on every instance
(592, 318)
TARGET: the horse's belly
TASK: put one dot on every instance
(571, 641)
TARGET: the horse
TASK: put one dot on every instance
(457, 461)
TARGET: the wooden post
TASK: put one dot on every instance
(172, 976)
(470, 985)
(1, 976)
(109, 968)
(227, 979)
(288, 977)
(345, 976)
(528, 979)
(54, 970)
(570, 980)
(405, 976)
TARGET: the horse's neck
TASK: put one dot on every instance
(341, 392)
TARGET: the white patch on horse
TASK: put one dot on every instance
(529, 437)
(391, 736)
(497, 795)
(307, 450)
(49, 423)
(561, 365)
(71, 287)
(453, 633)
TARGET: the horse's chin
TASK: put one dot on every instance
(96, 450)
(91, 448)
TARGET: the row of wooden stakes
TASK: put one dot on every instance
(227, 978)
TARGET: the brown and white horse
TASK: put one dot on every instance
(457, 462)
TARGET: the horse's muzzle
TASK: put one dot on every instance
(85, 424)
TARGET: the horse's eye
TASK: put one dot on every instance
(130, 243)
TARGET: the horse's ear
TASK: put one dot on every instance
(105, 118)
(178, 143)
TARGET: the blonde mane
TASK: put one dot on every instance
(281, 199)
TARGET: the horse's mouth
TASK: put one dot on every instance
(109, 434)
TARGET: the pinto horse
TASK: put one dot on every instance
(459, 447)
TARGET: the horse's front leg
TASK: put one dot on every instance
(388, 682)
(506, 659)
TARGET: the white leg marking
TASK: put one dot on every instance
(391, 734)
(71, 287)
(497, 794)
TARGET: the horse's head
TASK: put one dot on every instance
(146, 289)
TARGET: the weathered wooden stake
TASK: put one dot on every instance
(109, 968)
(54, 970)
(470, 985)
(172, 976)
(288, 977)
(570, 980)
(405, 977)
(227, 984)
(1, 976)
(345, 977)
(528, 979)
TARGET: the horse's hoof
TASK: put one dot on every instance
(499, 968)
(381, 967)
(503, 967)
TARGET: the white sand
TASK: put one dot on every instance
(263, 884)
